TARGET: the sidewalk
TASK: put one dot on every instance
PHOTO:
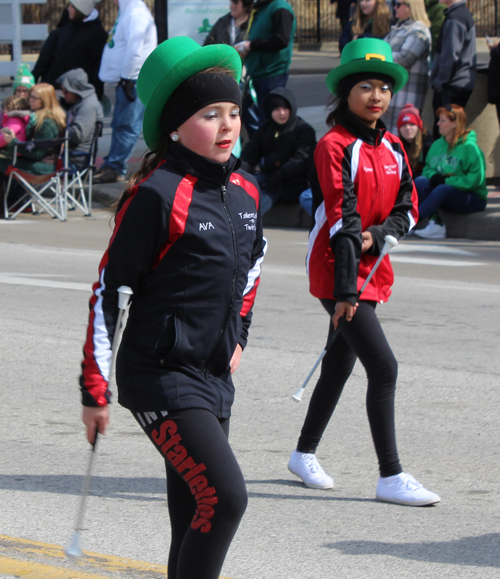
(483, 226)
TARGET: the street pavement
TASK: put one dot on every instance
(442, 322)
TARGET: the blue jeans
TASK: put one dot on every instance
(445, 197)
(264, 87)
(126, 126)
(306, 201)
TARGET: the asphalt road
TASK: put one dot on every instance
(442, 322)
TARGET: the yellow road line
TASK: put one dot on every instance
(35, 560)
(39, 571)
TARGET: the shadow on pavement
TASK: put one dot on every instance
(133, 488)
(480, 551)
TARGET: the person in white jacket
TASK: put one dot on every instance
(130, 42)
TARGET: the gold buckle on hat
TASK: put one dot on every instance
(373, 56)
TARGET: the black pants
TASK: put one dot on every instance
(447, 97)
(205, 488)
(361, 338)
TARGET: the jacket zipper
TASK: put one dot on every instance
(233, 286)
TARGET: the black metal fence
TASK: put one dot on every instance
(316, 20)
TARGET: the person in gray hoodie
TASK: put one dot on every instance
(85, 110)
(453, 71)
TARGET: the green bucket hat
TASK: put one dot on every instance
(168, 66)
(367, 55)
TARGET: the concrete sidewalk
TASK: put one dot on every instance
(482, 226)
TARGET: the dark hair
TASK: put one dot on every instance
(338, 107)
(247, 5)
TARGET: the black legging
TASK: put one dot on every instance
(361, 338)
(205, 488)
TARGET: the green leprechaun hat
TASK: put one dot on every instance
(169, 65)
(367, 55)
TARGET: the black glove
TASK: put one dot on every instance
(274, 181)
(128, 86)
(436, 180)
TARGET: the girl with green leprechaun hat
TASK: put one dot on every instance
(365, 193)
(188, 242)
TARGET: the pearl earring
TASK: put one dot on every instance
(174, 137)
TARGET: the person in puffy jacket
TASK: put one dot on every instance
(15, 125)
(454, 176)
(77, 44)
(367, 193)
(188, 242)
(282, 149)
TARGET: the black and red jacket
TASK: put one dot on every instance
(189, 243)
(365, 185)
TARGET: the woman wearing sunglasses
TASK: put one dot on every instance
(454, 176)
(410, 40)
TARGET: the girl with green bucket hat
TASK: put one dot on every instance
(188, 242)
(365, 192)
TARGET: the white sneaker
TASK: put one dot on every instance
(432, 231)
(307, 468)
(403, 489)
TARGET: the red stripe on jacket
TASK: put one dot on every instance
(95, 383)
(249, 187)
(179, 215)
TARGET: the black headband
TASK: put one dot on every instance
(346, 84)
(198, 91)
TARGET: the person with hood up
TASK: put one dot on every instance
(130, 42)
(78, 44)
(282, 148)
(84, 112)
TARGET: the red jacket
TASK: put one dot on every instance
(366, 185)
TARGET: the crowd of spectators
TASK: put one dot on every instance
(434, 40)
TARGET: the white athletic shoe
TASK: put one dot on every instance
(403, 489)
(432, 231)
(307, 468)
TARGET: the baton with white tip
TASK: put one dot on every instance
(390, 242)
(73, 549)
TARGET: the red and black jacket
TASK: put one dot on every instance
(365, 185)
(189, 243)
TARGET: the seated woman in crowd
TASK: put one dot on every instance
(414, 137)
(454, 176)
(280, 152)
(47, 122)
(371, 18)
(410, 40)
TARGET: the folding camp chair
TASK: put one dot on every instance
(41, 192)
(81, 178)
